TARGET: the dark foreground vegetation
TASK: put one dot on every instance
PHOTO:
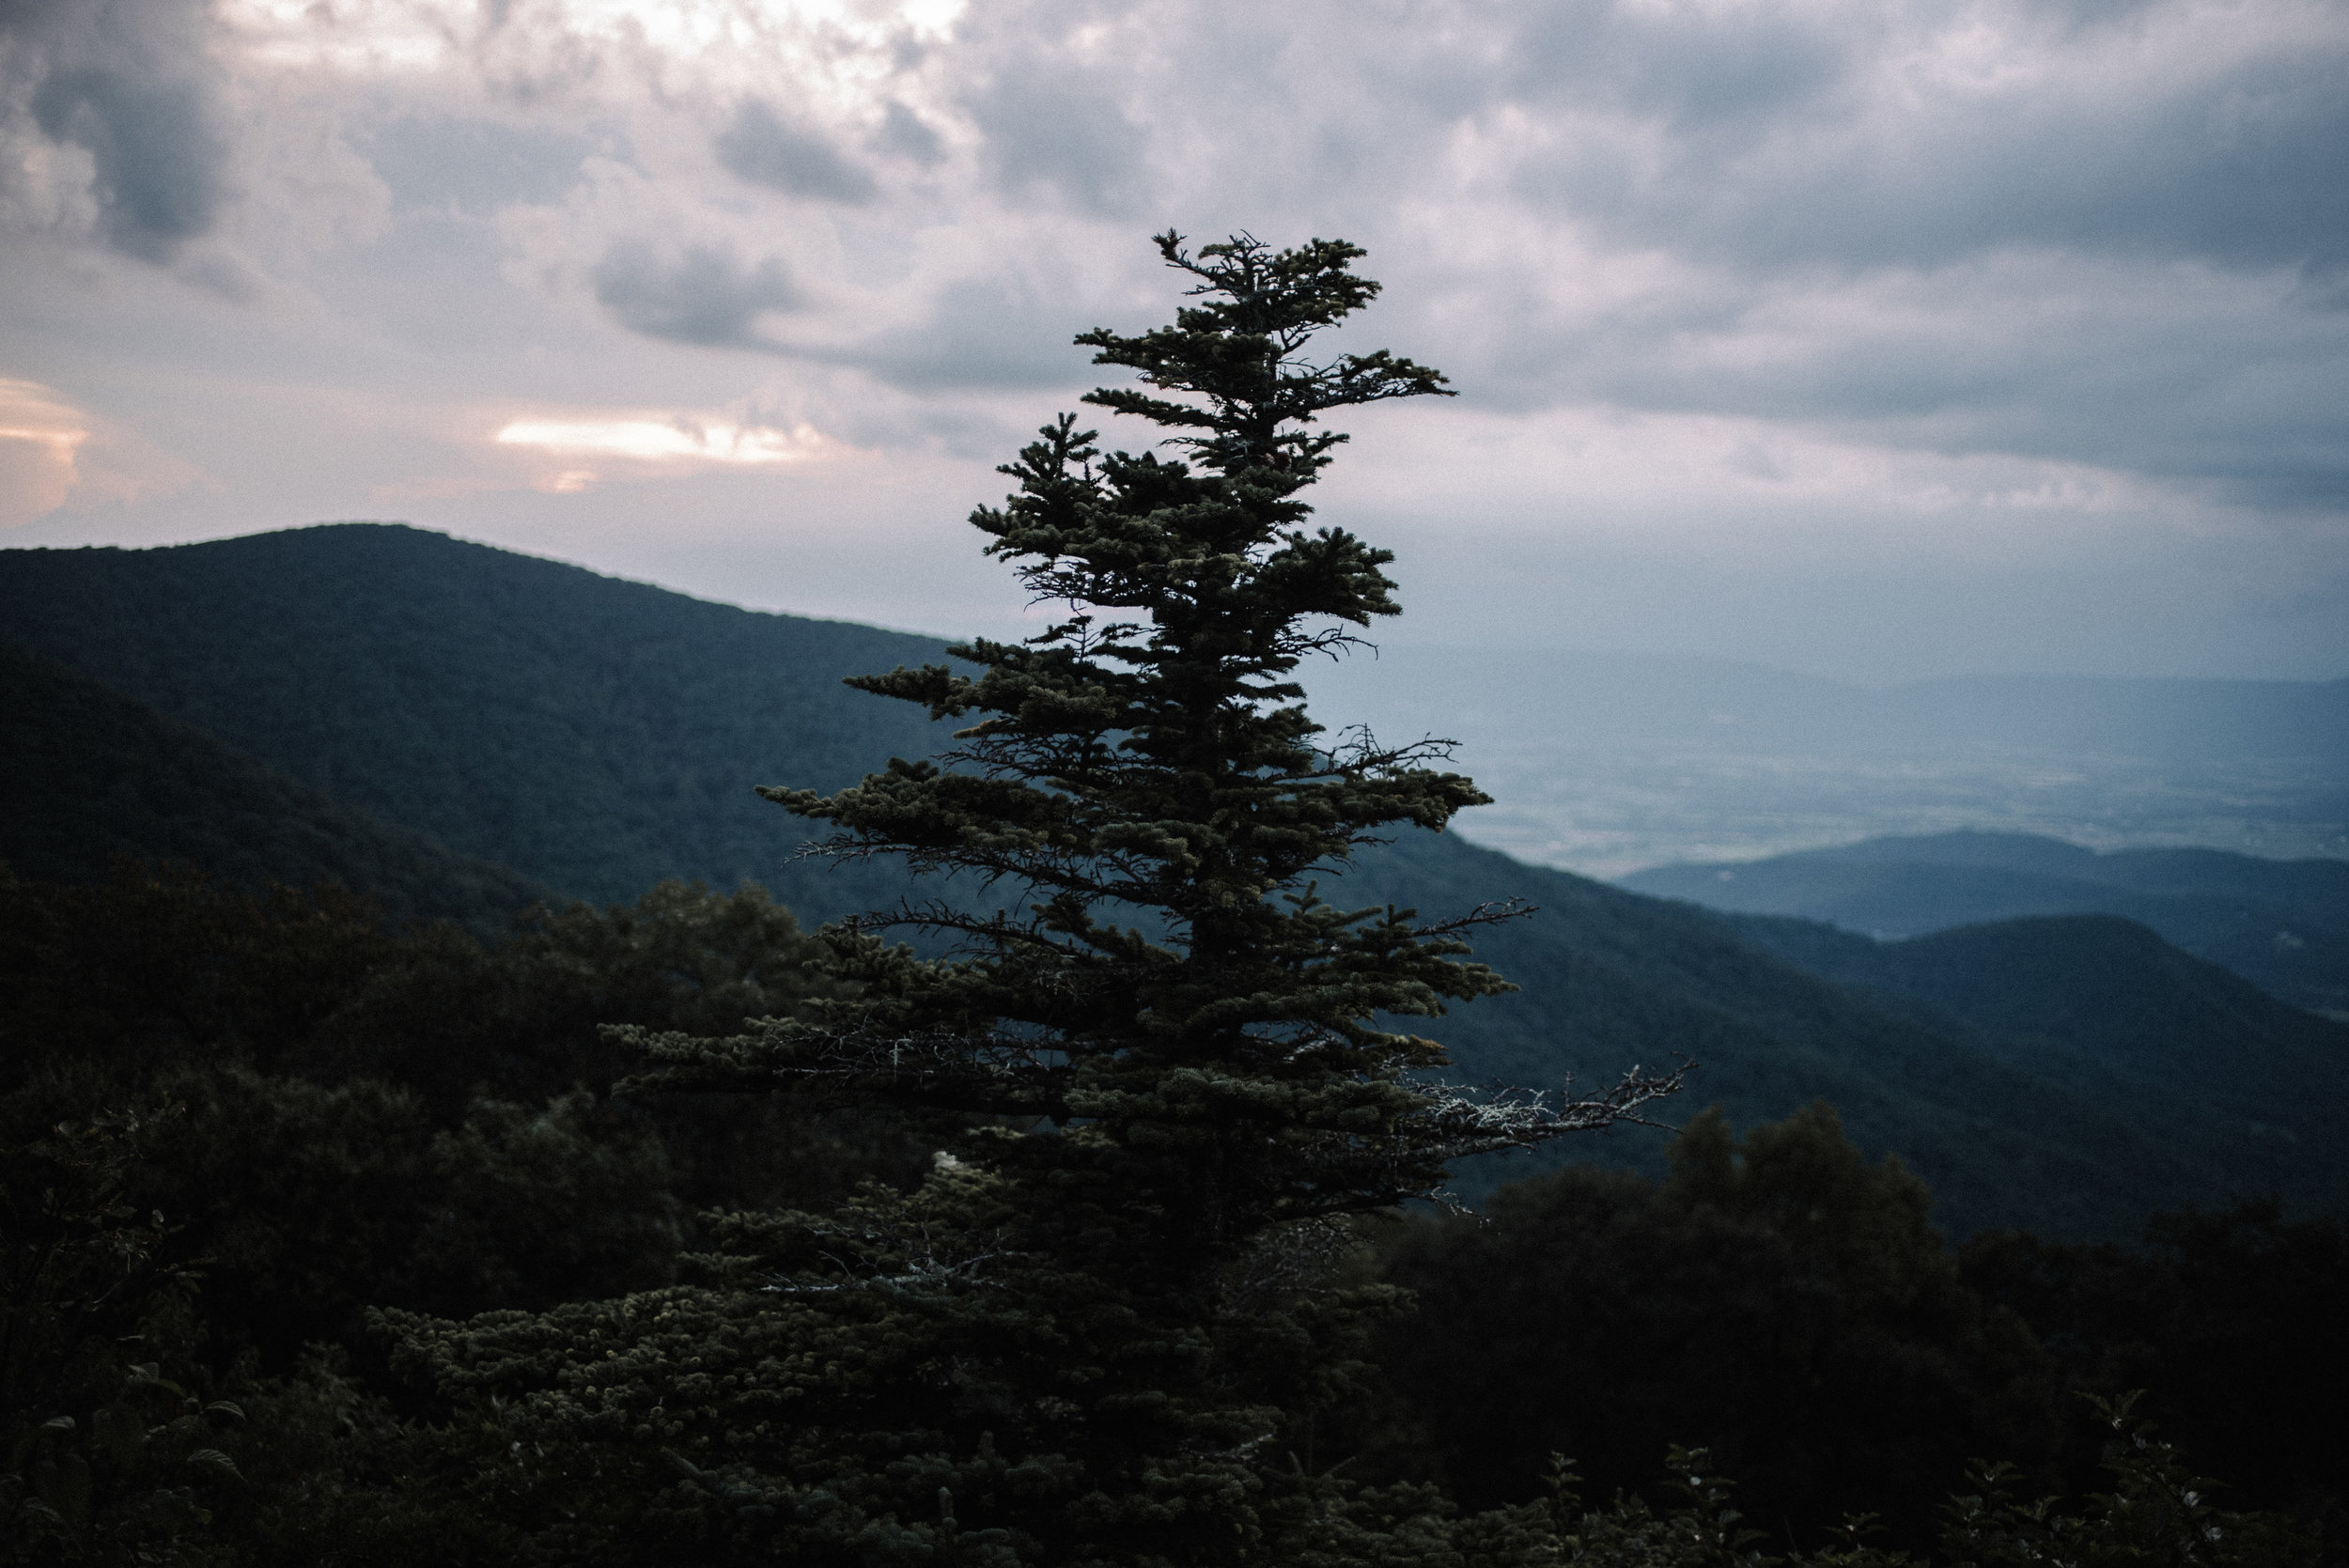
(1092, 1231)
(239, 1121)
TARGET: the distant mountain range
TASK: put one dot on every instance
(2283, 925)
(2105, 1008)
(358, 681)
(1606, 763)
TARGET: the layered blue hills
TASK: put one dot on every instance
(2283, 924)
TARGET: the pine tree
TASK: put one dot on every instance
(1167, 987)
(1161, 1056)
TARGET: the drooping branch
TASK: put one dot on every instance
(1464, 1122)
(1494, 911)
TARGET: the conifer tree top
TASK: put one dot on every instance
(1239, 353)
(1138, 814)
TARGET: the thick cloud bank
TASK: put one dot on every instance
(130, 86)
(1875, 339)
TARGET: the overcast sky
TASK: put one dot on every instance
(1870, 338)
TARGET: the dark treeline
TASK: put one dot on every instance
(1787, 1305)
(237, 1122)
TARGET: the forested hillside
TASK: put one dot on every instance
(601, 735)
(1985, 1100)
(2184, 1051)
(2283, 924)
(596, 734)
(93, 776)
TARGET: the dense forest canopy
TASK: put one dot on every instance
(329, 1118)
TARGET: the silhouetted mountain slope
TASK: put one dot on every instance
(92, 775)
(2103, 1006)
(1612, 979)
(604, 735)
(2283, 925)
(598, 734)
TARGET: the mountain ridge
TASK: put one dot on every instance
(604, 735)
(489, 697)
(2283, 924)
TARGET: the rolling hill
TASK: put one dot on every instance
(2283, 924)
(598, 736)
(1611, 980)
(2182, 1049)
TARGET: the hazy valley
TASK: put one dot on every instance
(1607, 764)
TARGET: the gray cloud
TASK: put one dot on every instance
(2113, 232)
(132, 85)
(708, 296)
(1818, 240)
(762, 148)
(1773, 151)
(1701, 71)
(906, 134)
(156, 154)
(474, 165)
(2190, 374)
(1056, 134)
(987, 334)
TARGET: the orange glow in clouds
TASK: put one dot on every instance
(53, 455)
(38, 437)
(647, 445)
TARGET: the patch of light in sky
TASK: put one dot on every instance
(654, 440)
(700, 24)
(288, 33)
(39, 438)
(30, 411)
(419, 37)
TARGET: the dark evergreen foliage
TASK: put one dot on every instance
(1151, 795)
(1775, 1298)
(1784, 1303)
(362, 1118)
(2230, 1322)
(160, 1262)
